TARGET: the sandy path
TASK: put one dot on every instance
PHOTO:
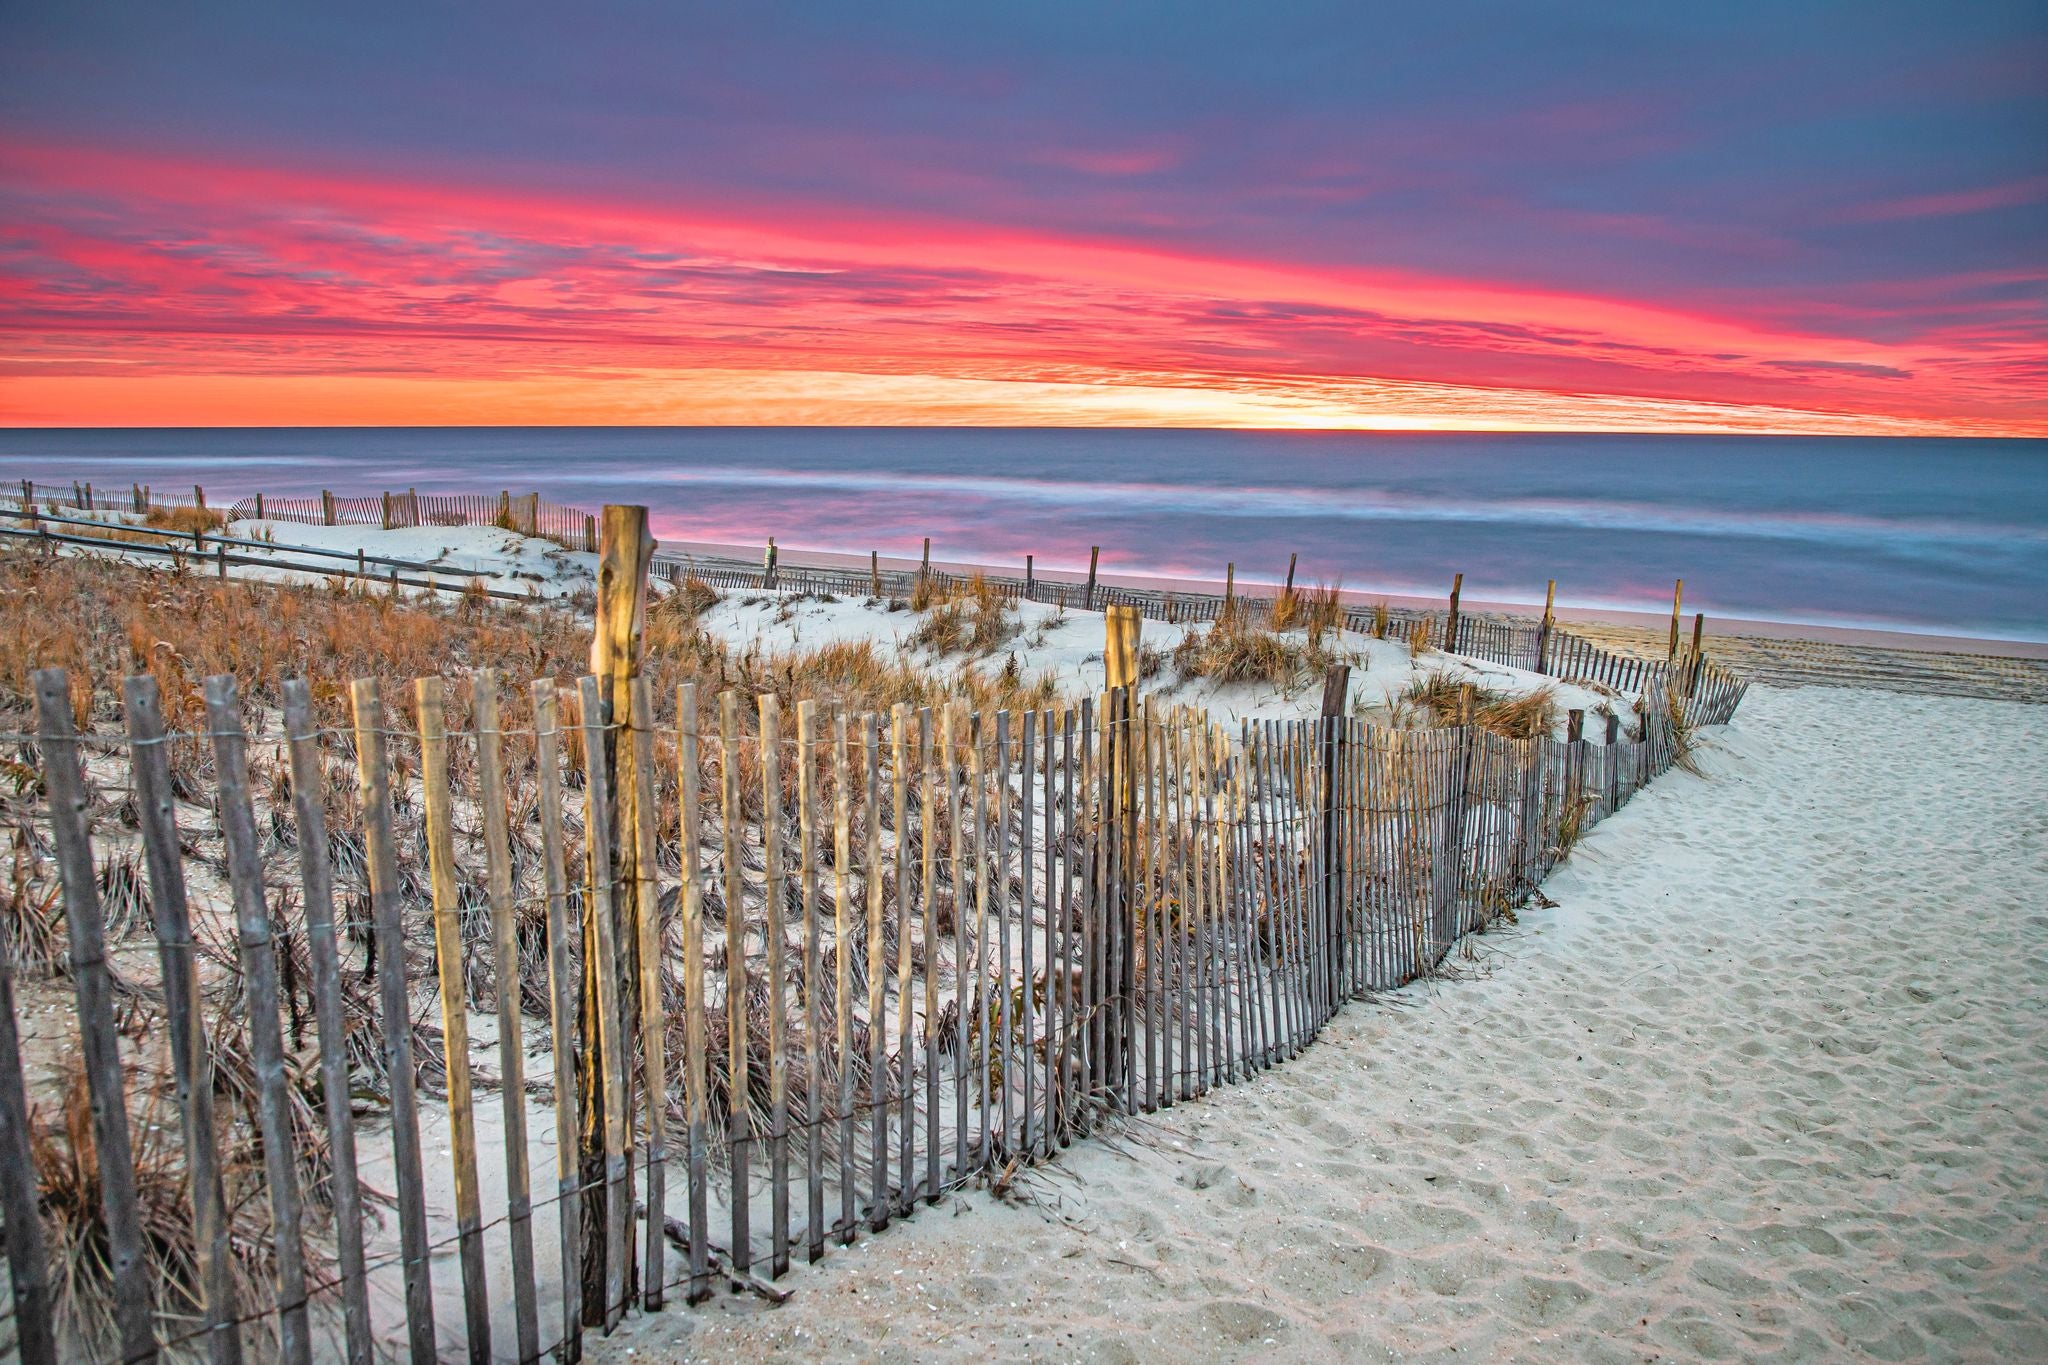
(1771, 1081)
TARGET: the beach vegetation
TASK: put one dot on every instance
(1436, 698)
(973, 618)
(1238, 648)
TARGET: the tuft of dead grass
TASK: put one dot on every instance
(1238, 649)
(185, 520)
(1436, 698)
(74, 1220)
(972, 618)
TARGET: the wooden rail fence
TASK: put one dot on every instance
(1712, 692)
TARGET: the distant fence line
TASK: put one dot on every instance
(1712, 691)
(858, 962)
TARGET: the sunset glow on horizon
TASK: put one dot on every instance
(946, 239)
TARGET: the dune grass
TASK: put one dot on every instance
(1436, 699)
(973, 618)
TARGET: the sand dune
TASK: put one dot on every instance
(1769, 1081)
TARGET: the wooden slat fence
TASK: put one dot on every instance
(1714, 693)
(866, 959)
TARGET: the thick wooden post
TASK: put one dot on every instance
(1029, 577)
(1290, 574)
(617, 643)
(259, 507)
(1094, 559)
(925, 565)
(1699, 658)
(1543, 631)
(1122, 625)
(1229, 585)
(1451, 621)
(874, 573)
(326, 508)
(1677, 609)
(199, 496)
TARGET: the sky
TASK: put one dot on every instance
(1782, 216)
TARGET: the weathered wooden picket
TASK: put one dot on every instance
(844, 970)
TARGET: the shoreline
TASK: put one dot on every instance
(1729, 627)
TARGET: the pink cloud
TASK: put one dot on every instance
(2012, 194)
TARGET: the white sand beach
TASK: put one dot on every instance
(1768, 1081)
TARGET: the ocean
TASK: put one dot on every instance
(1926, 535)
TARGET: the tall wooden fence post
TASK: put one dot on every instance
(1123, 623)
(1677, 609)
(1699, 658)
(1289, 589)
(1451, 621)
(326, 507)
(1336, 687)
(1543, 631)
(624, 551)
(874, 573)
(1094, 559)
